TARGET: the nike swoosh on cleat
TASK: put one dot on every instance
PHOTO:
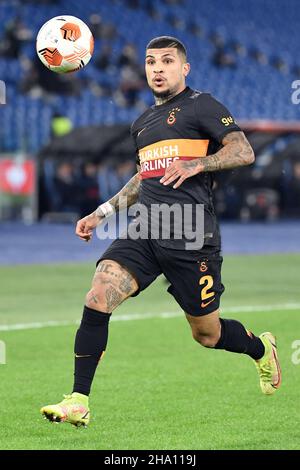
(205, 304)
(87, 355)
(276, 385)
(86, 415)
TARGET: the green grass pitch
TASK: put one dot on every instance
(155, 388)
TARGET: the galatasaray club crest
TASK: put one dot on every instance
(172, 116)
(203, 267)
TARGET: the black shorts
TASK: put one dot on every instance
(195, 276)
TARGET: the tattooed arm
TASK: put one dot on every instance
(236, 151)
(124, 198)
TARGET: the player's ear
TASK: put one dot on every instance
(186, 69)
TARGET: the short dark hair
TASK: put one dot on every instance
(167, 41)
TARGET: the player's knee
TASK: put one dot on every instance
(95, 299)
(103, 296)
(206, 339)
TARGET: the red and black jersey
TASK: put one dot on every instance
(190, 125)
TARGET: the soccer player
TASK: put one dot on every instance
(181, 141)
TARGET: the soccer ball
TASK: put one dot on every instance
(65, 44)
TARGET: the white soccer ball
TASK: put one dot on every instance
(65, 44)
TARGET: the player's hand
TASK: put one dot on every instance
(85, 226)
(180, 170)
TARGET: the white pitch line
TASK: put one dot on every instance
(147, 316)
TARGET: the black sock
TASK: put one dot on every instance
(235, 338)
(90, 343)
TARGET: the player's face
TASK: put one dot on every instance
(166, 71)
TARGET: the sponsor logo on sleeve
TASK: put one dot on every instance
(227, 120)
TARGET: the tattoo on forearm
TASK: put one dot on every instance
(236, 152)
(129, 191)
(213, 164)
(126, 197)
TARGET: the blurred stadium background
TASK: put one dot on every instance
(65, 148)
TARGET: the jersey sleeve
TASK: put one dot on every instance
(132, 132)
(214, 118)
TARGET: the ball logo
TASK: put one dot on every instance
(51, 55)
(172, 116)
(70, 31)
